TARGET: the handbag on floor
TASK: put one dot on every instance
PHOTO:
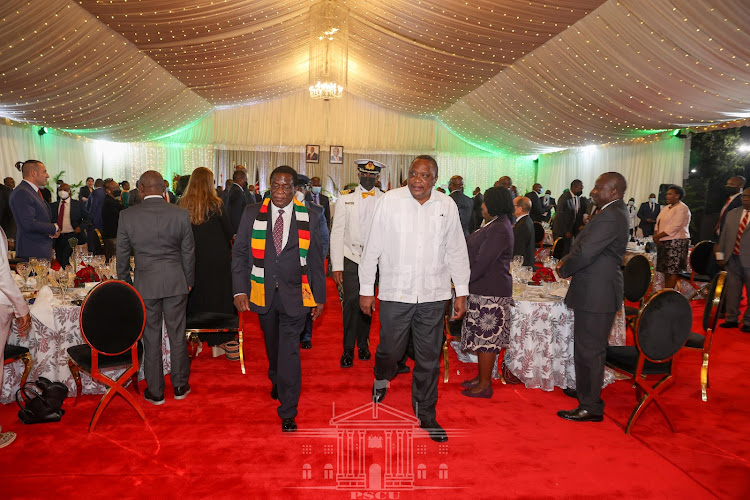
(41, 407)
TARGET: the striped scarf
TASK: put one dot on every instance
(258, 247)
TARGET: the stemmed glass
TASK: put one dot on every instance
(63, 279)
(40, 268)
(98, 261)
(24, 269)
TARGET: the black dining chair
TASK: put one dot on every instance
(661, 330)
(200, 325)
(700, 263)
(13, 353)
(638, 275)
(539, 238)
(703, 341)
(558, 248)
(113, 317)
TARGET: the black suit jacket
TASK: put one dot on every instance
(235, 201)
(84, 192)
(79, 217)
(536, 206)
(523, 235)
(465, 207)
(594, 262)
(325, 203)
(565, 217)
(645, 212)
(6, 216)
(283, 269)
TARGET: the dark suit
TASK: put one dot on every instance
(7, 222)
(84, 192)
(737, 266)
(94, 208)
(33, 226)
(235, 202)
(325, 237)
(283, 316)
(735, 203)
(79, 218)
(524, 237)
(465, 207)
(646, 212)
(324, 202)
(547, 207)
(171, 197)
(111, 209)
(566, 218)
(476, 212)
(536, 206)
(595, 295)
(161, 237)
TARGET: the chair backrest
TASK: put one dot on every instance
(637, 277)
(557, 248)
(113, 317)
(538, 232)
(701, 256)
(663, 325)
(714, 301)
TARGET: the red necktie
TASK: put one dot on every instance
(166, 198)
(743, 225)
(278, 232)
(39, 192)
(60, 215)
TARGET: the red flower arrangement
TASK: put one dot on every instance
(543, 274)
(85, 275)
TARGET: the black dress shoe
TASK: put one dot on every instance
(571, 393)
(745, 328)
(729, 324)
(364, 353)
(378, 395)
(288, 425)
(152, 399)
(580, 415)
(436, 432)
(306, 344)
(182, 392)
(275, 391)
(347, 359)
(403, 369)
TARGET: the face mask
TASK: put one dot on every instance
(652, 200)
(63, 195)
(116, 193)
(730, 190)
(316, 189)
(631, 203)
(546, 197)
(299, 196)
(367, 183)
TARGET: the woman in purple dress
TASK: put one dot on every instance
(486, 326)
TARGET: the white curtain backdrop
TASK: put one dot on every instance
(644, 166)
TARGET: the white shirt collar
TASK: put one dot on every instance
(36, 188)
(521, 217)
(608, 204)
(153, 196)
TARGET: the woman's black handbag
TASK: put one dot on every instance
(44, 406)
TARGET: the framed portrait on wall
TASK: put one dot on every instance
(336, 155)
(313, 153)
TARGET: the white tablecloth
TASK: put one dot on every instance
(540, 353)
(48, 347)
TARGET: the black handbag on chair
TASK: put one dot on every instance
(41, 407)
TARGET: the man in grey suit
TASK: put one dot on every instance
(464, 203)
(733, 253)
(160, 235)
(569, 210)
(596, 292)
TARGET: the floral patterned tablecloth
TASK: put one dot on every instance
(540, 353)
(48, 347)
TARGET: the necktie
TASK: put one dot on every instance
(316, 199)
(39, 192)
(743, 225)
(60, 215)
(166, 198)
(575, 203)
(367, 193)
(278, 232)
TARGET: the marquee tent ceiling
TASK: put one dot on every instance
(505, 75)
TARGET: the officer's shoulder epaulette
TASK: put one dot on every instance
(346, 191)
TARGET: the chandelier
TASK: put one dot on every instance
(329, 51)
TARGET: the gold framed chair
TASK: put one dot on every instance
(13, 353)
(211, 323)
(703, 342)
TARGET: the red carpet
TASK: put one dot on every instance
(224, 440)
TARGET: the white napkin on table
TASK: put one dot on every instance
(41, 309)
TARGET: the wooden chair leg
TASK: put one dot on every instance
(27, 363)
(77, 377)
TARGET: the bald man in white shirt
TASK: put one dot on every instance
(419, 249)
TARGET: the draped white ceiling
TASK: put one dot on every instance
(504, 75)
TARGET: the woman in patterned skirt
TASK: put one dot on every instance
(486, 326)
(672, 237)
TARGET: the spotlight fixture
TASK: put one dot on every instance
(42, 131)
(681, 133)
(744, 148)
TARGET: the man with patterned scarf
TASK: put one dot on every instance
(278, 273)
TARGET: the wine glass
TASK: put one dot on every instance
(63, 280)
(24, 269)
